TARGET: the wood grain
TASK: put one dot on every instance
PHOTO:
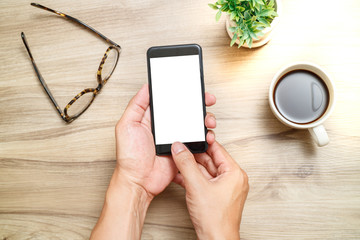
(53, 176)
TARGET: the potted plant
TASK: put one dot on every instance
(249, 23)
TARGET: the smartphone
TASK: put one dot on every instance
(177, 97)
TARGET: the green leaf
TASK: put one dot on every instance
(271, 4)
(259, 34)
(247, 15)
(249, 42)
(253, 3)
(252, 34)
(218, 15)
(245, 36)
(213, 6)
(233, 40)
(224, 8)
(232, 29)
(264, 21)
(233, 15)
(239, 32)
(267, 13)
(241, 42)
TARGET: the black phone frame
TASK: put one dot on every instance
(170, 51)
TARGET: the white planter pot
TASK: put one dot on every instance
(267, 31)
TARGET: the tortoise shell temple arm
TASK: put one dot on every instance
(77, 21)
(45, 8)
(47, 90)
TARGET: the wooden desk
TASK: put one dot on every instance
(53, 176)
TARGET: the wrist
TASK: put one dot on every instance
(121, 186)
(124, 210)
(221, 231)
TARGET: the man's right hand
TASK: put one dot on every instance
(216, 190)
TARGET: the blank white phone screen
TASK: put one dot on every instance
(177, 99)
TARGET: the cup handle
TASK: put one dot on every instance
(319, 135)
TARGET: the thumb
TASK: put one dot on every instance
(186, 163)
(137, 106)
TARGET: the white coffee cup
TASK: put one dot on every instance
(315, 128)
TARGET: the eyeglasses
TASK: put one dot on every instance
(81, 102)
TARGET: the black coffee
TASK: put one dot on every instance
(301, 96)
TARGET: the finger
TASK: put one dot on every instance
(210, 137)
(222, 159)
(146, 118)
(204, 171)
(210, 120)
(186, 164)
(205, 160)
(209, 99)
(137, 106)
(179, 179)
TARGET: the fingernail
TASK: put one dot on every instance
(212, 134)
(213, 119)
(177, 147)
